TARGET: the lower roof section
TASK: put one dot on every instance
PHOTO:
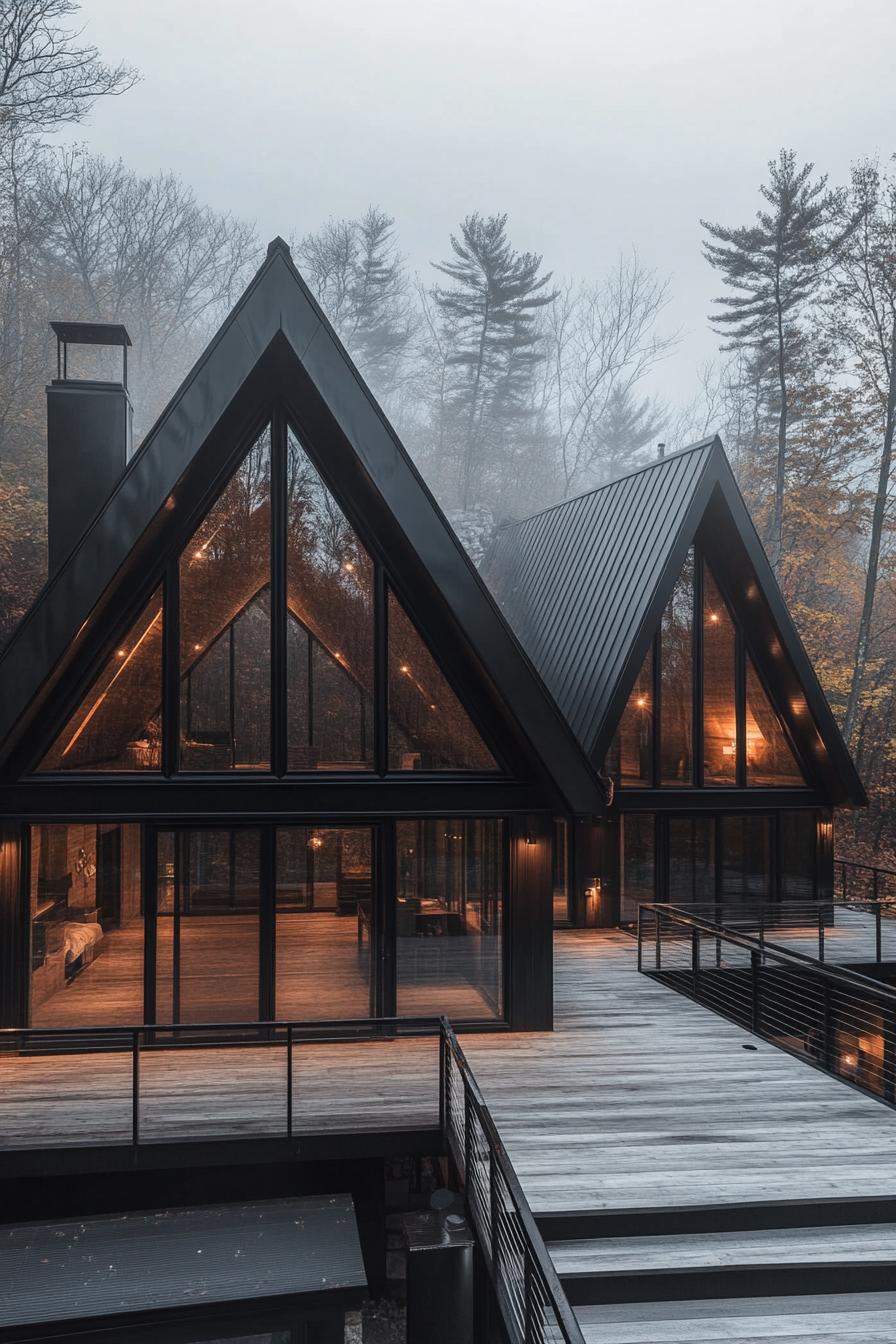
(172, 1259)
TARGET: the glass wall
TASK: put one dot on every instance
(118, 726)
(86, 925)
(449, 918)
(329, 594)
(769, 758)
(797, 861)
(677, 681)
(746, 858)
(225, 625)
(429, 729)
(719, 683)
(630, 759)
(209, 897)
(324, 922)
(637, 837)
(691, 860)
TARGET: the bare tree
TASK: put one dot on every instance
(142, 251)
(46, 78)
(601, 341)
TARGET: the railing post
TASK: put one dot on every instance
(468, 1138)
(762, 934)
(755, 992)
(821, 934)
(827, 1036)
(640, 932)
(695, 959)
(877, 932)
(843, 874)
(494, 1215)
(527, 1296)
(289, 1080)
(135, 1089)
(443, 1082)
(888, 1070)
(658, 950)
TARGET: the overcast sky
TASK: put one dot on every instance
(598, 125)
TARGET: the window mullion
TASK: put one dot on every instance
(279, 727)
(381, 671)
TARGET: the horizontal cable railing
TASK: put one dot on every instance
(834, 1018)
(168, 1082)
(196, 1067)
(831, 930)
(863, 881)
(533, 1305)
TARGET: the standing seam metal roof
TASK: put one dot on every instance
(576, 581)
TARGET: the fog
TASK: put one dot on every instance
(598, 127)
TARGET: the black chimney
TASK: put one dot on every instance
(88, 437)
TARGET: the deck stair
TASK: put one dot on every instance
(691, 1181)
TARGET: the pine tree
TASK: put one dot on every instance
(776, 266)
(628, 424)
(359, 278)
(492, 345)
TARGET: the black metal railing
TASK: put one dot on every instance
(863, 881)
(858, 930)
(533, 1305)
(530, 1298)
(836, 1019)
(112, 1105)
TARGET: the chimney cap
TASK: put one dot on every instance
(91, 333)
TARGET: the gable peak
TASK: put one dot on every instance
(278, 245)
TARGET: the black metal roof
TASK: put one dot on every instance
(277, 336)
(91, 333)
(171, 1259)
(584, 584)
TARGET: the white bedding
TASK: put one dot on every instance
(77, 937)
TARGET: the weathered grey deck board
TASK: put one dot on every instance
(641, 1098)
(854, 1318)
(776, 1246)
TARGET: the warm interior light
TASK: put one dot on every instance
(405, 669)
(315, 842)
(196, 648)
(349, 567)
(641, 702)
(197, 555)
(849, 1061)
(714, 617)
(122, 653)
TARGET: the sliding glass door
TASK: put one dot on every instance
(208, 925)
(324, 922)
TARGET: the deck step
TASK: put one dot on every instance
(841, 1318)
(695, 1219)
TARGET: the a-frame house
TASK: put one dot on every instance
(268, 750)
(651, 613)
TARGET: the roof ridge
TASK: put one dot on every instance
(615, 480)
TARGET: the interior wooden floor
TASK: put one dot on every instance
(322, 972)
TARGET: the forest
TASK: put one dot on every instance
(511, 385)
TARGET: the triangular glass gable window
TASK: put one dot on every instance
(429, 729)
(117, 726)
(225, 625)
(630, 758)
(329, 595)
(770, 760)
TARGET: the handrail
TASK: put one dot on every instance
(533, 1304)
(837, 1019)
(782, 954)
(530, 1297)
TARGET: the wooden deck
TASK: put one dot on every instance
(640, 1101)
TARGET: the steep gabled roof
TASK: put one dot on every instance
(276, 336)
(584, 585)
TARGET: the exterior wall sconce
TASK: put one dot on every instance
(531, 838)
(592, 904)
